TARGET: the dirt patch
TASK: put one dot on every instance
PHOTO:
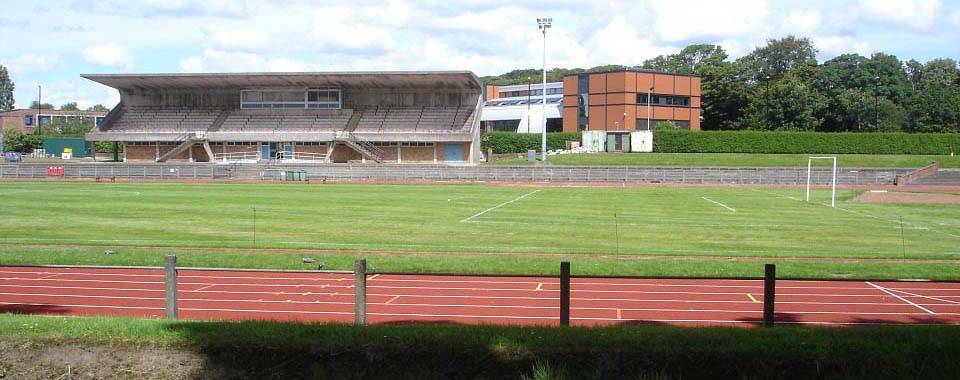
(38, 360)
(908, 197)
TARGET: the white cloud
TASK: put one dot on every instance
(682, 20)
(110, 54)
(832, 46)
(801, 22)
(956, 18)
(240, 38)
(213, 60)
(168, 8)
(32, 63)
(917, 14)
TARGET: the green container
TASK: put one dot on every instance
(55, 146)
(290, 175)
(303, 175)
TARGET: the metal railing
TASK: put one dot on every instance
(233, 157)
(301, 156)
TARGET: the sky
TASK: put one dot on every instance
(50, 43)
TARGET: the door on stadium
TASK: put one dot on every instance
(452, 153)
(265, 153)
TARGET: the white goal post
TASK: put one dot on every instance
(833, 180)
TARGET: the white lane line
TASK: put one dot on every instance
(546, 298)
(923, 296)
(719, 204)
(882, 289)
(499, 206)
(545, 318)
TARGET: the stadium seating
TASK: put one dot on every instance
(161, 119)
(415, 119)
(285, 120)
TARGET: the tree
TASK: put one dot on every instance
(98, 108)
(936, 106)
(789, 104)
(724, 92)
(45, 106)
(15, 141)
(6, 90)
(779, 57)
(693, 59)
(72, 106)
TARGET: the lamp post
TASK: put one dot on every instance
(544, 24)
(528, 104)
(876, 102)
(39, 105)
(649, 107)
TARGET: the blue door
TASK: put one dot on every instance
(265, 152)
(452, 153)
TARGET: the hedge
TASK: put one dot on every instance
(510, 142)
(805, 142)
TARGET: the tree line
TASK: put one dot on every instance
(781, 86)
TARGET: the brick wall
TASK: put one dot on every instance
(417, 154)
(141, 152)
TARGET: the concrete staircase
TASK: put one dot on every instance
(944, 177)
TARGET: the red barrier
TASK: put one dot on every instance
(56, 171)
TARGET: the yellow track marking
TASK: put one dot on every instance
(619, 315)
(374, 276)
(539, 286)
(392, 299)
(750, 296)
(205, 287)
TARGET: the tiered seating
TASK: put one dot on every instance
(416, 119)
(372, 119)
(163, 119)
(285, 121)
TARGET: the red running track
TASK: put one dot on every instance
(328, 297)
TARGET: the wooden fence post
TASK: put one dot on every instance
(360, 297)
(769, 294)
(565, 293)
(170, 281)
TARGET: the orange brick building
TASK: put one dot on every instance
(618, 100)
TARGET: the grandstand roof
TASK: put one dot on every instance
(369, 79)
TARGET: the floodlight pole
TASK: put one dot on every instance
(544, 24)
(649, 108)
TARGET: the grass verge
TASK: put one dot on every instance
(490, 263)
(291, 350)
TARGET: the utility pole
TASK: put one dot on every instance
(544, 24)
(39, 106)
(528, 104)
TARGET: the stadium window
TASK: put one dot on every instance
(416, 144)
(283, 99)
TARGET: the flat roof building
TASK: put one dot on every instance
(318, 117)
(630, 100)
(26, 120)
(519, 108)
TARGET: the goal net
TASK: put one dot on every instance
(819, 178)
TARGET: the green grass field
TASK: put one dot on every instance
(476, 219)
(742, 159)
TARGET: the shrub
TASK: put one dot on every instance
(510, 142)
(805, 142)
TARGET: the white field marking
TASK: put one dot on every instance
(499, 206)
(895, 221)
(447, 296)
(882, 289)
(779, 195)
(719, 204)
(923, 296)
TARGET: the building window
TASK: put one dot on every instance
(28, 120)
(321, 98)
(663, 100)
(416, 144)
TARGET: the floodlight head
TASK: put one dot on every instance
(544, 23)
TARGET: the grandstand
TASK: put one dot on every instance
(401, 117)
